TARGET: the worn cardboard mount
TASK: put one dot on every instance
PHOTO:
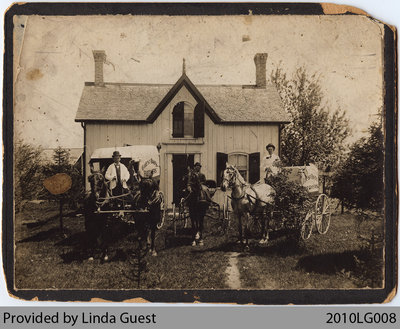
(21, 73)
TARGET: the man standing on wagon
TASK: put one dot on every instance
(118, 175)
(271, 163)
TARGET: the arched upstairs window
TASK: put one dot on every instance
(188, 122)
(177, 118)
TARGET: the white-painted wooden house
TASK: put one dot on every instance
(210, 124)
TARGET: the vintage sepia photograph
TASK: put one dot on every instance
(199, 152)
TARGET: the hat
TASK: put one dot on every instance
(116, 154)
(270, 145)
(197, 164)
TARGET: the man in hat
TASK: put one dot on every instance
(197, 168)
(271, 163)
(118, 175)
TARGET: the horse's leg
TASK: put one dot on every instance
(192, 215)
(152, 231)
(103, 237)
(201, 215)
(246, 230)
(264, 231)
(240, 228)
(268, 218)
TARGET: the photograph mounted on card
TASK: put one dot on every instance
(223, 157)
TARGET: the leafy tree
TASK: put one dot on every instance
(359, 181)
(27, 172)
(315, 134)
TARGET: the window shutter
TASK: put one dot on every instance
(254, 167)
(199, 120)
(222, 158)
(177, 120)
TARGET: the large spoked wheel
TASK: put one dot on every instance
(322, 214)
(179, 216)
(307, 226)
(163, 210)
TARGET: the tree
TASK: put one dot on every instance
(315, 134)
(27, 172)
(359, 181)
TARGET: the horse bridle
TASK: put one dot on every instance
(230, 184)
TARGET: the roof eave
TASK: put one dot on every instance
(254, 122)
(111, 120)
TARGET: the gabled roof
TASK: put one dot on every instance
(183, 81)
(145, 102)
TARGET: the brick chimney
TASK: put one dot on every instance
(99, 59)
(260, 60)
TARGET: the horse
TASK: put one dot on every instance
(248, 200)
(198, 202)
(149, 198)
(95, 224)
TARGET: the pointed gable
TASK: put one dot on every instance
(183, 81)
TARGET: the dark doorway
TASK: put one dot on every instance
(180, 162)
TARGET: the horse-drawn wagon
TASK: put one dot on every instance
(257, 208)
(319, 212)
(141, 205)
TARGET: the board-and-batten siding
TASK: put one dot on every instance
(226, 138)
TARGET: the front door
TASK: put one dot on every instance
(180, 162)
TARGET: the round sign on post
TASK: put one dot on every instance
(58, 183)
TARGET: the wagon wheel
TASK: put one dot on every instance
(322, 214)
(163, 210)
(307, 225)
(215, 222)
(180, 218)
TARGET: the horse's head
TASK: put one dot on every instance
(97, 183)
(193, 179)
(228, 177)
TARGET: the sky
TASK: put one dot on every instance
(54, 59)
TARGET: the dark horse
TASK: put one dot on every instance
(146, 198)
(198, 201)
(95, 223)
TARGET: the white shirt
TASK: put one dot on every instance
(111, 173)
(271, 164)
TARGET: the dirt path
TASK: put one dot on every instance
(233, 271)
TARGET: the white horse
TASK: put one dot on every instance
(248, 200)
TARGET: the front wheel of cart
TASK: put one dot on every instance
(322, 214)
(306, 226)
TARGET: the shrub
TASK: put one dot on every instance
(28, 173)
(292, 200)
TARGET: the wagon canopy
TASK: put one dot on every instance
(146, 155)
(306, 176)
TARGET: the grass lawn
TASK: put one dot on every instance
(45, 259)
(336, 260)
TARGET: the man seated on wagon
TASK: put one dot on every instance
(118, 175)
(271, 163)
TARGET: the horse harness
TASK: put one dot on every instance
(254, 200)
